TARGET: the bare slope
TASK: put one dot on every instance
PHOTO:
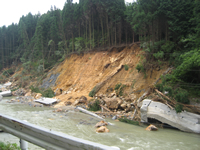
(79, 74)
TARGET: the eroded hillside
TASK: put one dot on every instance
(79, 74)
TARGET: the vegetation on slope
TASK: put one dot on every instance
(167, 31)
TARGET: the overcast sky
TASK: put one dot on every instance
(12, 10)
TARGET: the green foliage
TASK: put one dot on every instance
(133, 83)
(8, 72)
(126, 67)
(35, 89)
(159, 55)
(93, 92)
(178, 108)
(181, 96)
(9, 146)
(94, 106)
(140, 68)
(124, 119)
(48, 93)
(169, 90)
(159, 87)
(119, 88)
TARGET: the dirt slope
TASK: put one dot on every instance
(81, 73)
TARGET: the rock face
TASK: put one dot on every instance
(48, 82)
(101, 123)
(102, 129)
(113, 103)
(151, 128)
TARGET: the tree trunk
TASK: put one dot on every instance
(90, 30)
(72, 42)
(108, 33)
(102, 32)
(115, 33)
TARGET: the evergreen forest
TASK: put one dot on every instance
(168, 30)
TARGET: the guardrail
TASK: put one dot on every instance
(46, 138)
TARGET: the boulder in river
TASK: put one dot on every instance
(151, 128)
(101, 123)
(102, 129)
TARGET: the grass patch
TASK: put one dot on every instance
(9, 146)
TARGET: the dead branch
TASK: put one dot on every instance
(105, 108)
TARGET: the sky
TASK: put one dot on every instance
(12, 10)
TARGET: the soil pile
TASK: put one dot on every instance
(80, 73)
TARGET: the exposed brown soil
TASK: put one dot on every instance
(83, 72)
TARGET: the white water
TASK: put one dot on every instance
(80, 125)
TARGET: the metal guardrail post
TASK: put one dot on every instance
(23, 144)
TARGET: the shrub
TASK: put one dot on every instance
(121, 90)
(178, 108)
(9, 146)
(126, 67)
(93, 92)
(140, 67)
(159, 87)
(168, 89)
(48, 93)
(117, 86)
(8, 72)
(181, 96)
(94, 106)
(35, 89)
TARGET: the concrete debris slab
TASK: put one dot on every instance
(46, 101)
(7, 84)
(6, 93)
(184, 121)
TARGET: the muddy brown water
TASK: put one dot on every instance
(122, 135)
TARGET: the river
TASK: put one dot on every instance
(80, 125)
